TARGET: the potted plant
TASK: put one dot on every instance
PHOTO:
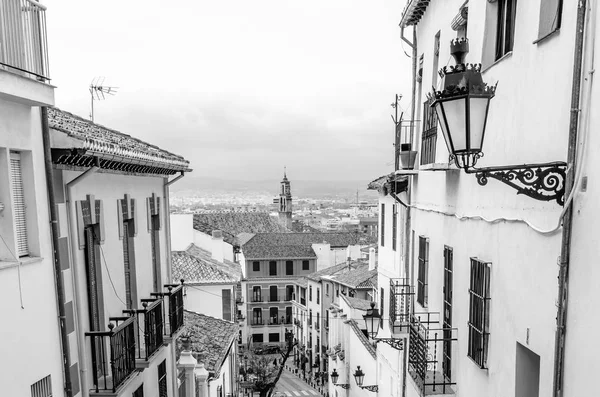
(407, 156)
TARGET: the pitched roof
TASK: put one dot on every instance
(208, 229)
(230, 267)
(110, 146)
(362, 338)
(360, 277)
(211, 338)
(357, 303)
(335, 239)
(234, 223)
(329, 271)
(263, 251)
(200, 269)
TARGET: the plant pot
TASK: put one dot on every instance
(407, 159)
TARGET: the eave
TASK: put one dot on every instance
(413, 11)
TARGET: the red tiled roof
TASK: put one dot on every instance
(234, 223)
(194, 269)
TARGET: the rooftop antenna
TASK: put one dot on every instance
(396, 133)
(97, 91)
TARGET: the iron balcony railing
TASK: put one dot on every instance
(273, 298)
(239, 300)
(175, 296)
(150, 329)
(23, 40)
(257, 298)
(401, 302)
(113, 354)
(257, 322)
(430, 354)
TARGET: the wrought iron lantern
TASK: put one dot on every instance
(334, 376)
(372, 321)
(462, 107)
(359, 377)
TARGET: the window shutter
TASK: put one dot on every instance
(550, 17)
(226, 300)
(16, 181)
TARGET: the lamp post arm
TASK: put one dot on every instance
(544, 181)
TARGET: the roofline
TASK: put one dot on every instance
(279, 258)
(413, 11)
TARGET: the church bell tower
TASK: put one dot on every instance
(285, 202)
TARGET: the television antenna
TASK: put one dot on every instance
(98, 91)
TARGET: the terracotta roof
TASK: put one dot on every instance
(357, 303)
(243, 238)
(413, 11)
(332, 270)
(208, 229)
(107, 144)
(391, 182)
(362, 337)
(194, 269)
(357, 278)
(230, 267)
(234, 223)
(302, 282)
(211, 339)
(263, 251)
(370, 282)
(340, 239)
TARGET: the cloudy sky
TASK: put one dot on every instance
(241, 87)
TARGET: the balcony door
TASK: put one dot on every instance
(447, 346)
(257, 316)
(256, 294)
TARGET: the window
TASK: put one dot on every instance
(273, 315)
(305, 265)
(326, 289)
(257, 317)
(436, 59)
(505, 27)
(381, 302)
(318, 296)
(162, 379)
(550, 18)
(479, 296)
(272, 268)
(394, 226)
(318, 323)
(94, 278)
(337, 291)
(42, 388)
(289, 268)
(423, 270)
(273, 293)
(527, 382)
(310, 293)
(256, 266)
(288, 315)
(429, 136)
(129, 266)
(153, 207)
(259, 338)
(382, 224)
(274, 337)
(447, 293)
(310, 317)
(289, 292)
(256, 294)
(139, 392)
(226, 304)
(19, 207)
(326, 319)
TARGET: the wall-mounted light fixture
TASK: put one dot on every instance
(359, 377)
(372, 321)
(334, 378)
(462, 107)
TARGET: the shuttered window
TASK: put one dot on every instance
(550, 17)
(382, 224)
(226, 301)
(155, 248)
(423, 271)
(20, 220)
(127, 266)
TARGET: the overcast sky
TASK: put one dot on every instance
(241, 88)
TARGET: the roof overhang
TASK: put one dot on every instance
(413, 11)
(389, 184)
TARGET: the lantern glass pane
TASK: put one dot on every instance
(478, 115)
(442, 120)
(457, 126)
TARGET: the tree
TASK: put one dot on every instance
(266, 371)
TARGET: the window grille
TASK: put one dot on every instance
(18, 196)
(423, 270)
(447, 319)
(42, 388)
(479, 297)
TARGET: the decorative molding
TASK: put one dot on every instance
(397, 344)
(371, 388)
(343, 385)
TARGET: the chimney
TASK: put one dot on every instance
(349, 262)
(217, 245)
(372, 261)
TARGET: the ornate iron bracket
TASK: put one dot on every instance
(395, 343)
(343, 385)
(545, 182)
(372, 388)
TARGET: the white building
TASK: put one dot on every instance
(30, 339)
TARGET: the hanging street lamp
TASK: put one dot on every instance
(462, 107)
(334, 378)
(372, 321)
(359, 377)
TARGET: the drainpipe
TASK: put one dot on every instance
(79, 315)
(563, 273)
(166, 185)
(58, 275)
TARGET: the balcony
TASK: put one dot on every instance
(273, 298)
(303, 301)
(257, 323)
(175, 296)
(400, 308)
(430, 354)
(113, 354)
(317, 325)
(239, 300)
(257, 299)
(150, 328)
(241, 317)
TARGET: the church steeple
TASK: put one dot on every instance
(285, 201)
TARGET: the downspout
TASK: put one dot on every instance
(407, 234)
(58, 275)
(75, 275)
(563, 273)
(166, 185)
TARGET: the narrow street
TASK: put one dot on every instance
(290, 385)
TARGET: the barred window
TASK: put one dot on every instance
(423, 270)
(479, 311)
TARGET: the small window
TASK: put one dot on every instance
(139, 392)
(479, 311)
(19, 209)
(162, 379)
(259, 338)
(394, 226)
(256, 266)
(42, 388)
(310, 293)
(505, 28)
(272, 268)
(381, 304)
(257, 317)
(550, 17)
(273, 293)
(527, 382)
(337, 292)
(382, 224)
(305, 265)
(310, 317)
(273, 315)
(423, 270)
(327, 289)
(274, 337)
(289, 268)
(318, 296)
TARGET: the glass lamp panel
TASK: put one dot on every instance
(442, 121)
(478, 113)
(456, 117)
